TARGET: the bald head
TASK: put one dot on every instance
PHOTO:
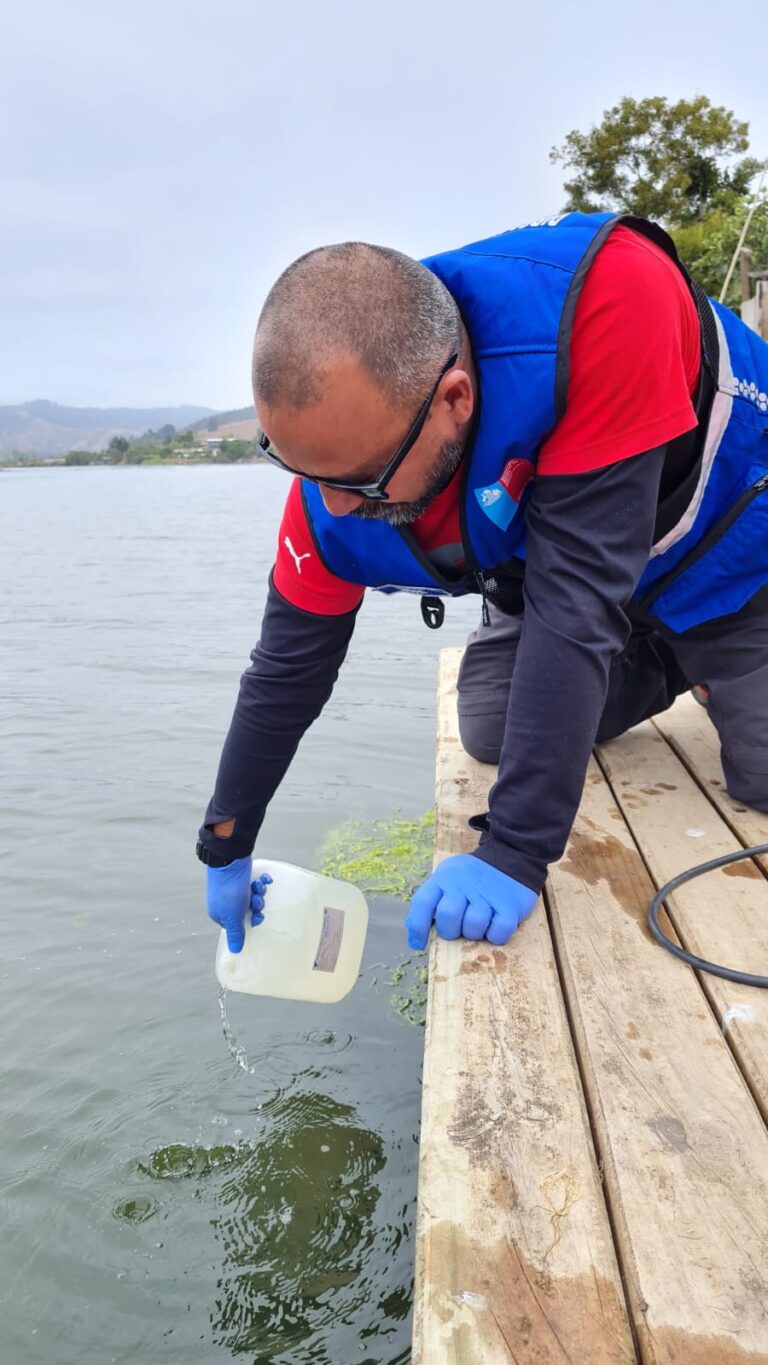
(353, 301)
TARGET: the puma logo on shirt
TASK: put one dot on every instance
(296, 558)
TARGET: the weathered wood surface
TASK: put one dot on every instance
(722, 916)
(516, 1256)
(692, 735)
(515, 1260)
(683, 1147)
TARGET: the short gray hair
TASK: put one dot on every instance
(384, 309)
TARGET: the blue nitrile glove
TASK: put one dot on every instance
(468, 898)
(231, 893)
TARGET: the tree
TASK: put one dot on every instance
(675, 163)
(238, 450)
(707, 248)
(119, 446)
(166, 433)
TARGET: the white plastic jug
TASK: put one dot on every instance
(310, 944)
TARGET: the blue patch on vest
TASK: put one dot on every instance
(497, 504)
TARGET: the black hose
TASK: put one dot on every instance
(728, 973)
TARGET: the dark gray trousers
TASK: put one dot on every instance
(643, 681)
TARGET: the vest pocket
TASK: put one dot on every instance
(725, 570)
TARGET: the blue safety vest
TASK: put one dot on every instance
(517, 294)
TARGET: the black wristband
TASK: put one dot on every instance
(212, 859)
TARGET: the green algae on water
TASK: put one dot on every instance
(385, 858)
(409, 998)
(179, 1162)
(136, 1210)
(298, 1215)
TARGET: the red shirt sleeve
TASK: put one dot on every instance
(635, 355)
(300, 575)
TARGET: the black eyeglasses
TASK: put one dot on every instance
(376, 489)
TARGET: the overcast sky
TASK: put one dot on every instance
(162, 160)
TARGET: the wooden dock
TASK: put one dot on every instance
(593, 1182)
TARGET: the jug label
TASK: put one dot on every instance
(329, 947)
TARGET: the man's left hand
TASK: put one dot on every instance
(468, 898)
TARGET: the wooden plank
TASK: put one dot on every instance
(515, 1260)
(683, 1148)
(722, 916)
(687, 727)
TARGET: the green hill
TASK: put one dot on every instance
(46, 430)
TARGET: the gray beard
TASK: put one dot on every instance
(403, 513)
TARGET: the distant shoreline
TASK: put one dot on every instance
(128, 464)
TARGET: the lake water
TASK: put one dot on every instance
(157, 1203)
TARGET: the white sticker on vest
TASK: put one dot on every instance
(329, 947)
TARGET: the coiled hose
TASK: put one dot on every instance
(728, 973)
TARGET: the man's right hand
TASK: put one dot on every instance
(231, 894)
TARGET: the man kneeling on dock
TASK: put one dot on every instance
(558, 420)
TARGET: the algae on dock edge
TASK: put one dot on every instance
(386, 858)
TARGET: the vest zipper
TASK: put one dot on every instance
(710, 539)
(481, 587)
(472, 569)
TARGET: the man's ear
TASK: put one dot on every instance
(458, 395)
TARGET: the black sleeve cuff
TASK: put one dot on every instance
(528, 871)
(213, 859)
